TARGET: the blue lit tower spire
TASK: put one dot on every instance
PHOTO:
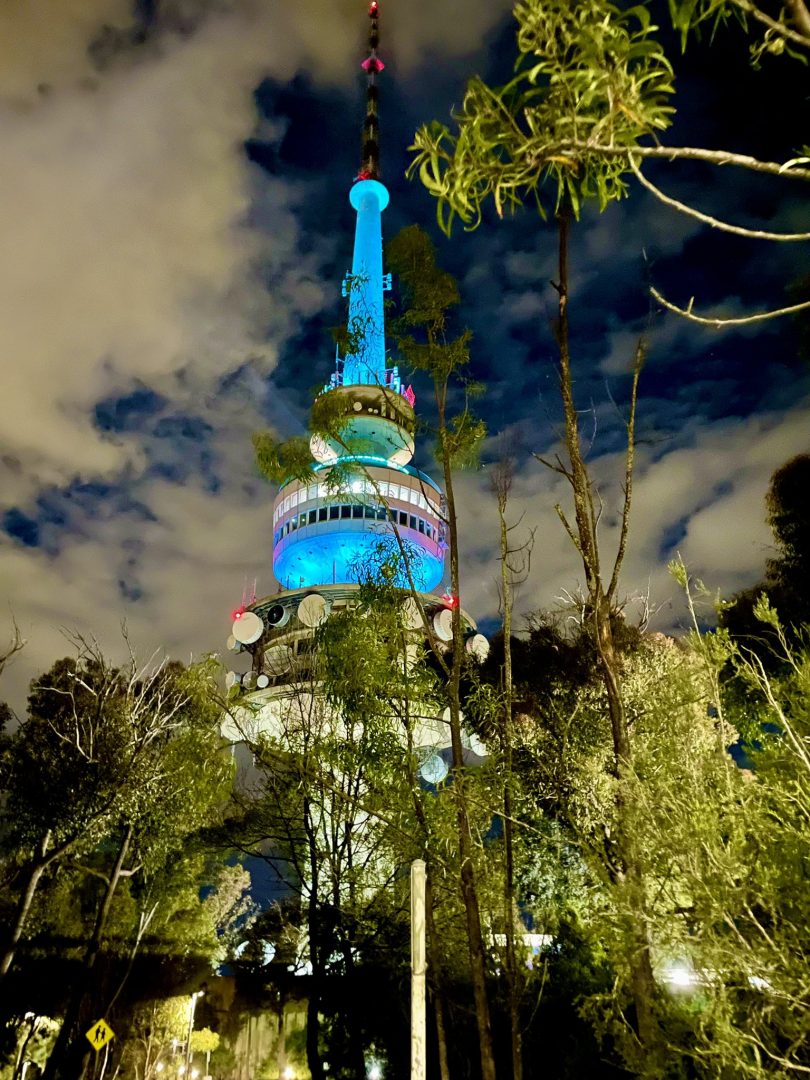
(365, 360)
(322, 532)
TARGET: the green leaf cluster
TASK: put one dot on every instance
(589, 75)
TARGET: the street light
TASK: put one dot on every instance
(192, 1009)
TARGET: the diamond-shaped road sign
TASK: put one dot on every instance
(100, 1034)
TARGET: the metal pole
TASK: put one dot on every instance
(418, 968)
(191, 1011)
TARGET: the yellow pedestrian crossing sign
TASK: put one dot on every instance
(100, 1034)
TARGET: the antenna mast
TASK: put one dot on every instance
(370, 162)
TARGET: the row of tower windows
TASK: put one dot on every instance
(360, 487)
(376, 513)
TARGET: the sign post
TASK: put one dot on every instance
(99, 1035)
(418, 969)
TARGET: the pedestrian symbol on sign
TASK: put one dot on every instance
(100, 1034)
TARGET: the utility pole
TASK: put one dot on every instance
(418, 969)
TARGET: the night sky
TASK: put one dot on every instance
(175, 223)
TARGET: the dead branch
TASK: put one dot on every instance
(721, 324)
(707, 219)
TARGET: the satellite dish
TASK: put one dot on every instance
(446, 716)
(411, 614)
(233, 644)
(278, 659)
(433, 769)
(232, 679)
(412, 655)
(248, 628)
(262, 681)
(443, 624)
(313, 610)
(278, 615)
(478, 647)
(249, 680)
(472, 742)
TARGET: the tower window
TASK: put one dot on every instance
(403, 518)
(322, 513)
(413, 522)
(313, 516)
(370, 512)
(357, 511)
(345, 511)
(421, 526)
(334, 512)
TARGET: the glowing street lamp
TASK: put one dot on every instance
(191, 1010)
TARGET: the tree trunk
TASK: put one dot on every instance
(68, 1054)
(314, 999)
(512, 976)
(35, 873)
(469, 892)
(437, 992)
(600, 603)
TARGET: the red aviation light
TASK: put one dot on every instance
(449, 600)
(373, 9)
(236, 615)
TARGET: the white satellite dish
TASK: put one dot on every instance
(278, 659)
(411, 614)
(232, 679)
(248, 628)
(472, 742)
(232, 644)
(262, 681)
(413, 653)
(477, 746)
(277, 616)
(249, 680)
(443, 624)
(446, 716)
(313, 610)
(433, 769)
(478, 647)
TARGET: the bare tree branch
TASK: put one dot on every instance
(789, 169)
(707, 219)
(720, 324)
(638, 364)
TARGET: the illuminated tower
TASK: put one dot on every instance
(362, 488)
(323, 538)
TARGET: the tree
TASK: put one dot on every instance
(787, 577)
(586, 110)
(111, 771)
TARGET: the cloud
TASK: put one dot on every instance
(701, 495)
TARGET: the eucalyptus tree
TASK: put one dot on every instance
(745, 983)
(593, 93)
(111, 771)
(306, 810)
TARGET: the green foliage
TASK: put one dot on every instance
(280, 461)
(204, 1041)
(589, 75)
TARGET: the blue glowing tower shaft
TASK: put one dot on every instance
(364, 363)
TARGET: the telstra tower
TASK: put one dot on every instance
(327, 534)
